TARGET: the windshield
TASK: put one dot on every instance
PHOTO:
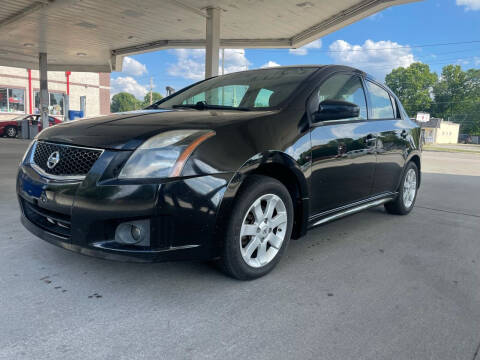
(259, 89)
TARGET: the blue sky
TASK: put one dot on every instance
(394, 37)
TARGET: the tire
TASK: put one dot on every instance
(246, 230)
(407, 192)
(11, 131)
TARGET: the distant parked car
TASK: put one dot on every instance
(11, 128)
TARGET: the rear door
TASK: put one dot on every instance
(343, 151)
(392, 137)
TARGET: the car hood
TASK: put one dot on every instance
(127, 131)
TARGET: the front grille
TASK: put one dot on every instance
(73, 160)
(51, 221)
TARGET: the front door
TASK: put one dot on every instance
(343, 151)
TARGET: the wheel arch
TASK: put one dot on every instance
(412, 157)
(281, 167)
(16, 127)
(415, 158)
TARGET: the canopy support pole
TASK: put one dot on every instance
(213, 42)
(43, 67)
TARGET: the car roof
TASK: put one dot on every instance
(315, 66)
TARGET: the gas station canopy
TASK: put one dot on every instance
(95, 35)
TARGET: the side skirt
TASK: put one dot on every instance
(343, 211)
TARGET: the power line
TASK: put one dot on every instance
(407, 46)
(477, 50)
(442, 61)
(376, 49)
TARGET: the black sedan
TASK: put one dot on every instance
(228, 169)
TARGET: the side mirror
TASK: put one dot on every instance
(336, 110)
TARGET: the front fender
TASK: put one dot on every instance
(259, 164)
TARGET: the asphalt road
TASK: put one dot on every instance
(370, 286)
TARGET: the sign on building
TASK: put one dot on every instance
(423, 117)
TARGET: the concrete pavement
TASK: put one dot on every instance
(370, 286)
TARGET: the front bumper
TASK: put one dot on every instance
(82, 216)
(168, 254)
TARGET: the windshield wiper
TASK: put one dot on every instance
(202, 105)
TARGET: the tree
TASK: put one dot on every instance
(155, 97)
(124, 101)
(472, 125)
(457, 97)
(413, 86)
(451, 92)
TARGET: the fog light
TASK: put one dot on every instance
(136, 233)
(133, 233)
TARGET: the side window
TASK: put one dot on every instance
(263, 98)
(341, 87)
(380, 103)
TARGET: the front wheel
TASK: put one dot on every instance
(407, 193)
(259, 228)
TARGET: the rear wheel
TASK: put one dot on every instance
(11, 131)
(407, 193)
(259, 228)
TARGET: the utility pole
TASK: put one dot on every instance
(151, 90)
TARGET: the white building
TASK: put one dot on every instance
(19, 92)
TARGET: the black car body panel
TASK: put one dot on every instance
(328, 167)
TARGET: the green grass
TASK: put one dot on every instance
(445, 149)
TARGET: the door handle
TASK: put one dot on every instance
(404, 133)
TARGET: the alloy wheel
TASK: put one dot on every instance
(11, 132)
(263, 230)
(409, 188)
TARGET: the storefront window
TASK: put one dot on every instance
(3, 100)
(36, 96)
(12, 100)
(16, 100)
(55, 103)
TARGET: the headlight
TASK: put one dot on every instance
(164, 155)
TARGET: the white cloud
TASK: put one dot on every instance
(133, 67)
(235, 60)
(469, 4)
(191, 63)
(127, 84)
(270, 64)
(317, 44)
(377, 58)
